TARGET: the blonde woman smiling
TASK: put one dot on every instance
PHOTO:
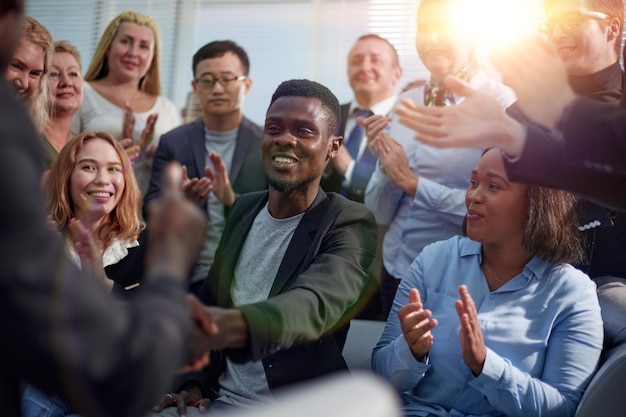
(122, 93)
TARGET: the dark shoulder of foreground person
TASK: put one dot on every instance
(60, 330)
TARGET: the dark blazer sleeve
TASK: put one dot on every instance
(60, 329)
(541, 153)
(588, 160)
(246, 173)
(162, 157)
(332, 180)
(327, 284)
(595, 136)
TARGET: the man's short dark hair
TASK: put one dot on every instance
(307, 88)
(217, 49)
(611, 8)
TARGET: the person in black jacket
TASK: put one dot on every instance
(557, 135)
(593, 168)
(59, 329)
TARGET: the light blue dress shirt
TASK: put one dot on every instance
(436, 209)
(542, 329)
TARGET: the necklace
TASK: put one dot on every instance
(120, 95)
(492, 275)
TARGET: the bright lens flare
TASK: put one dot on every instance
(496, 23)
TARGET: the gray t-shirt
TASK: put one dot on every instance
(222, 143)
(261, 256)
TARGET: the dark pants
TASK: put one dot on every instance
(388, 287)
(370, 306)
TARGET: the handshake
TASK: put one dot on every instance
(176, 238)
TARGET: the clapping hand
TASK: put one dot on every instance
(220, 183)
(132, 151)
(196, 189)
(374, 130)
(215, 181)
(416, 323)
(392, 159)
(472, 344)
(89, 251)
(147, 134)
(176, 229)
(478, 121)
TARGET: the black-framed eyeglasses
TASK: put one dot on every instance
(568, 21)
(209, 81)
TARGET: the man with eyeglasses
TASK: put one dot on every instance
(221, 151)
(587, 37)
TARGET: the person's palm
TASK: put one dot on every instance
(534, 70)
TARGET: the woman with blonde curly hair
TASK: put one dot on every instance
(92, 181)
(122, 93)
(29, 69)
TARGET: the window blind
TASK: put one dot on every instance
(284, 38)
(82, 23)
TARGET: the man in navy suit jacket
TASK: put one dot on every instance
(373, 71)
(221, 151)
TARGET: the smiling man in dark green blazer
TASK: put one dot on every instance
(292, 263)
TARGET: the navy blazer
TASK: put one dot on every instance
(185, 144)
(321, 279)
(331, 181)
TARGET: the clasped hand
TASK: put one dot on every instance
(215, 328)
(182, 400)
(392, 158)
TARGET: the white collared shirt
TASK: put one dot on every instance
(116, 251)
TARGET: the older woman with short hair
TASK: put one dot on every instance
(66, 97)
